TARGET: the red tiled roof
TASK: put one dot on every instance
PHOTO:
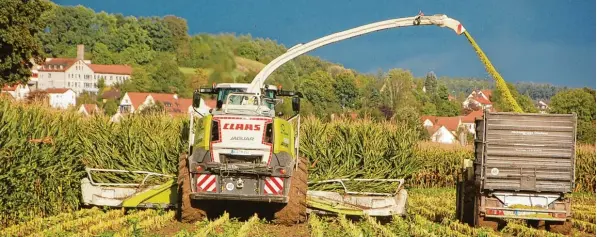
(451, 98)
(10, 88)
(470, 118)
(111, 69)
(137, 98)
(487, 93)
(56, 62)
(451, 123)
(430, 117)
(483, 101)
(90, 108)
(57, 90)
(432, 129)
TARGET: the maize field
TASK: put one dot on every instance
(431, 213)
(43, 154)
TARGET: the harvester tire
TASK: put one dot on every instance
(186, 212)
(295, 211)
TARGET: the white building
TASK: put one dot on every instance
(18, 92)
(78, 74)
(478, 100)
(441, 134)
(61, 98)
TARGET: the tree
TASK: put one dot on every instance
(167, 78)
(346, 90)
(101, 54)
(581, 102)
(430, 83)
(398, 89)
(20, 22)
(318, 89)
(524, 101)
(199, 78)
(110, 107)
(86, 98)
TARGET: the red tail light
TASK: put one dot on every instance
(495, 212)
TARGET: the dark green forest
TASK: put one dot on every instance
(166, 58)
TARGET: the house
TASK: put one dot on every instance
(61, 98)
(18, 91)
(478, 100)
(468, 121)
(441, 134)
(89, 109)
(78, 74)
(542, 107)
(133, 102)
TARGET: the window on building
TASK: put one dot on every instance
(49, 75)
(110, 77)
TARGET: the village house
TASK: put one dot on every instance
(89, 109)
(442, 129)
(134, 102)
(61, 98)
(78, 74)
(18, 91)
(478, 100)
(542, 107)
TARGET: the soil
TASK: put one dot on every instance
(268, 230)
(187, 213)
(564, 228)
(295, 211)
(174, 227)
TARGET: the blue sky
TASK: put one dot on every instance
(540, 40)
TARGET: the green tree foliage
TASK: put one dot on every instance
(581, 102)
(110, 107)
(167, 77)
(431, 83)
(20, 22)
(346, 90)
(162, 38)
(397, 89)
(86, 98)
(524, 101)
(318, 89)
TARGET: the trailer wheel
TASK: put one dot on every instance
(186, 212)
(295, 211)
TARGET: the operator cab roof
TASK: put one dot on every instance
(241, 85)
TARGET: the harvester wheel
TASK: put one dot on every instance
(186, 212)
(295, 210)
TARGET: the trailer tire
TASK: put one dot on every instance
(295, 211)
(186, 212)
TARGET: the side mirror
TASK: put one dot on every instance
(296, 104)
(196, 99)
(219, 104)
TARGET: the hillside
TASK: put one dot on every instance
(166, 59)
